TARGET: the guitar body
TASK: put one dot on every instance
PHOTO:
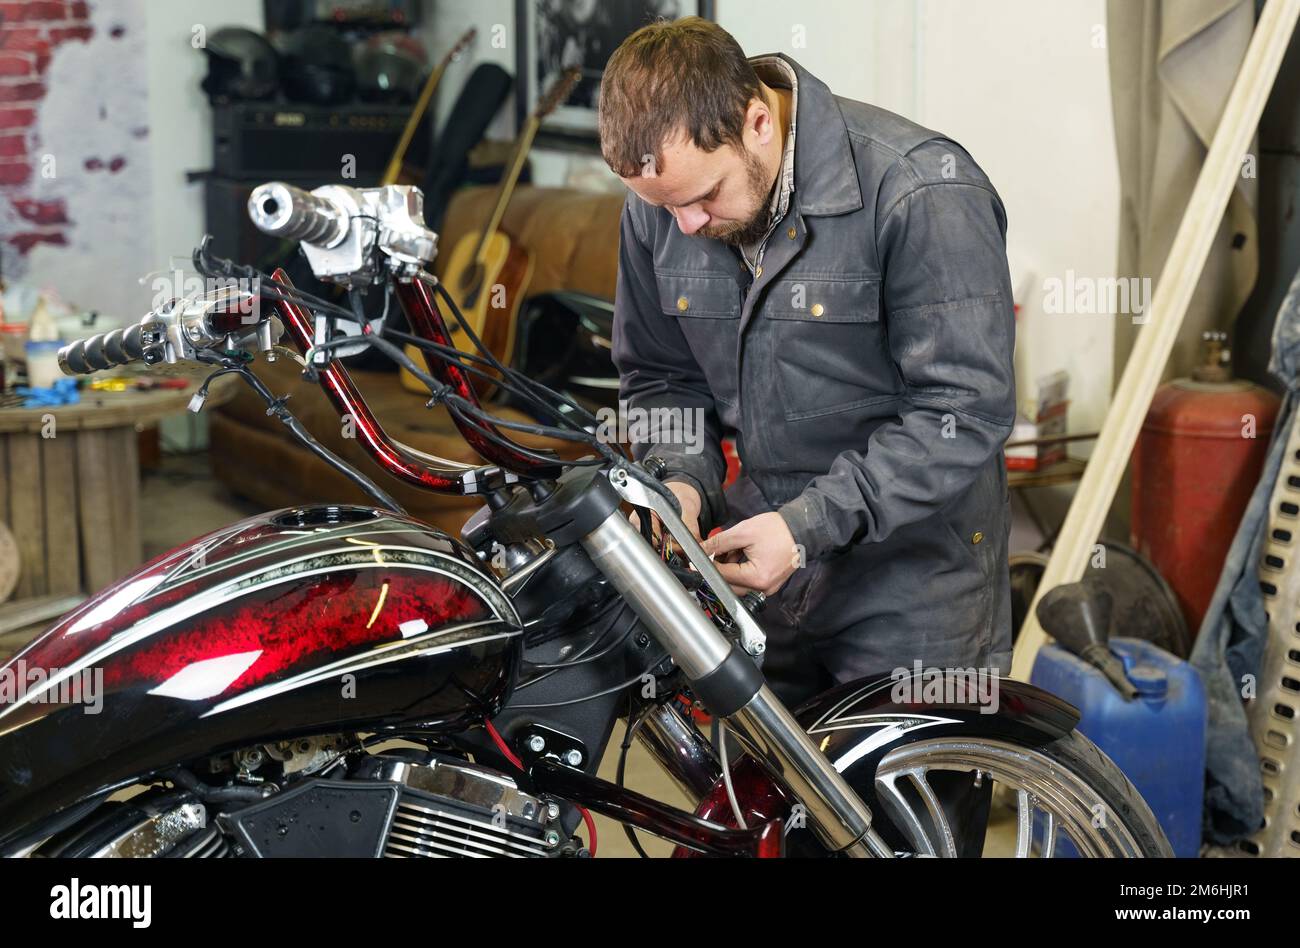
(488, 294)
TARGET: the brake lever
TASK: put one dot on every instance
(752, 639)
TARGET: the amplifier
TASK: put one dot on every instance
(259, 141)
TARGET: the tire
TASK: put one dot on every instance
(1094, 798)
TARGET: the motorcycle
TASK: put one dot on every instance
(344, 680)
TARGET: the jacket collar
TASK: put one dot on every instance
(825, 175)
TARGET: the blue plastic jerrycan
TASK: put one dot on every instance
(1157, 739)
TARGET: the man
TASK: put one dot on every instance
(830, 281)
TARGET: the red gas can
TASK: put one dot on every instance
(1196, 463)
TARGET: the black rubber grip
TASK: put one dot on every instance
(143, 342)
(113, 348)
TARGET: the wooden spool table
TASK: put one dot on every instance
(72, 500)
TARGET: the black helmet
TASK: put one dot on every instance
(390, 68)
(316, 66)
(242, 65)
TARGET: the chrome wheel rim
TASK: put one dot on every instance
(1051, 802)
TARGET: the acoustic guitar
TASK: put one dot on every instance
(487, 274)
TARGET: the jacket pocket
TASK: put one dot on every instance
(707, 310)
(830, 348)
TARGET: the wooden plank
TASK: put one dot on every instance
(28, 512)
(1173, 293)
(62, 546)
(124, 466)
(95, 500)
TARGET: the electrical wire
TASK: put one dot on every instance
(591, 697)
(726, 775)
(628, 734)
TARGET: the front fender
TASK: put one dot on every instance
(858, 723)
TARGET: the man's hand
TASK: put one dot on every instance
(691, 503)
(770, 553)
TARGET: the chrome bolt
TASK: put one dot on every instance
(552, 811)
(537, 743)
(573, 758)
(552, 838)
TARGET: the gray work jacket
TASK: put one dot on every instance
(866, 368)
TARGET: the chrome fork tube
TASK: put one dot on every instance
(834, 811)
(681, 750)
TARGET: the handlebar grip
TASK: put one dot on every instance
(143, 342)
(291, 213)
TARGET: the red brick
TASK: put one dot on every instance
(82, 33)
(78, 10)
(15, 172)
(44, 213)
(24, 41)
(13, 146)
(16, 65)
(25, 242)
(46, 10)
(21, 91)
(17, 118)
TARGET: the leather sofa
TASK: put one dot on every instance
(573, 238)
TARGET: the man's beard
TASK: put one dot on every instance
(741, 233)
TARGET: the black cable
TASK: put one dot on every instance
(275, 406)
(451, 355)
(584, 658)
(209, 264)
(622, 767)
(464, 324)
(599, 694)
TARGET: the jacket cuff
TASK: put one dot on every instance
(698, 473)
(807, 525)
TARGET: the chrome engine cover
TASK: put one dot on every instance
(456, 809)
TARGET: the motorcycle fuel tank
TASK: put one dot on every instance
(304, 621)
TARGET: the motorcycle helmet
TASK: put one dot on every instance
(242, 66)
(390, 69)
(316, 66)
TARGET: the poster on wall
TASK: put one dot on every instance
(554, 35)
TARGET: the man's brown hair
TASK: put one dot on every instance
(685, 75)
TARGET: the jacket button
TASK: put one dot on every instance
(792, 233)
(977, 537)
(682, 303)
(818, 309)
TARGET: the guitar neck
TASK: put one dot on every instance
(507, 187)
(394, 169)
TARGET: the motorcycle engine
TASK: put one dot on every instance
(402, 804)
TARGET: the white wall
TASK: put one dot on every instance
(1021, 84)
(180, 119)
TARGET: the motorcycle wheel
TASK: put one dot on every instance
(1064, 790)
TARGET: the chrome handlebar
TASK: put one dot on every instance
(228, 318)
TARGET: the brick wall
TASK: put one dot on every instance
(77, 194)
(30, 34)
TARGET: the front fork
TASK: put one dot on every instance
(724, 675)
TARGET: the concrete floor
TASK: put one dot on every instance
(181, 501)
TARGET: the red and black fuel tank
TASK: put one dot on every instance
(307, 620)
